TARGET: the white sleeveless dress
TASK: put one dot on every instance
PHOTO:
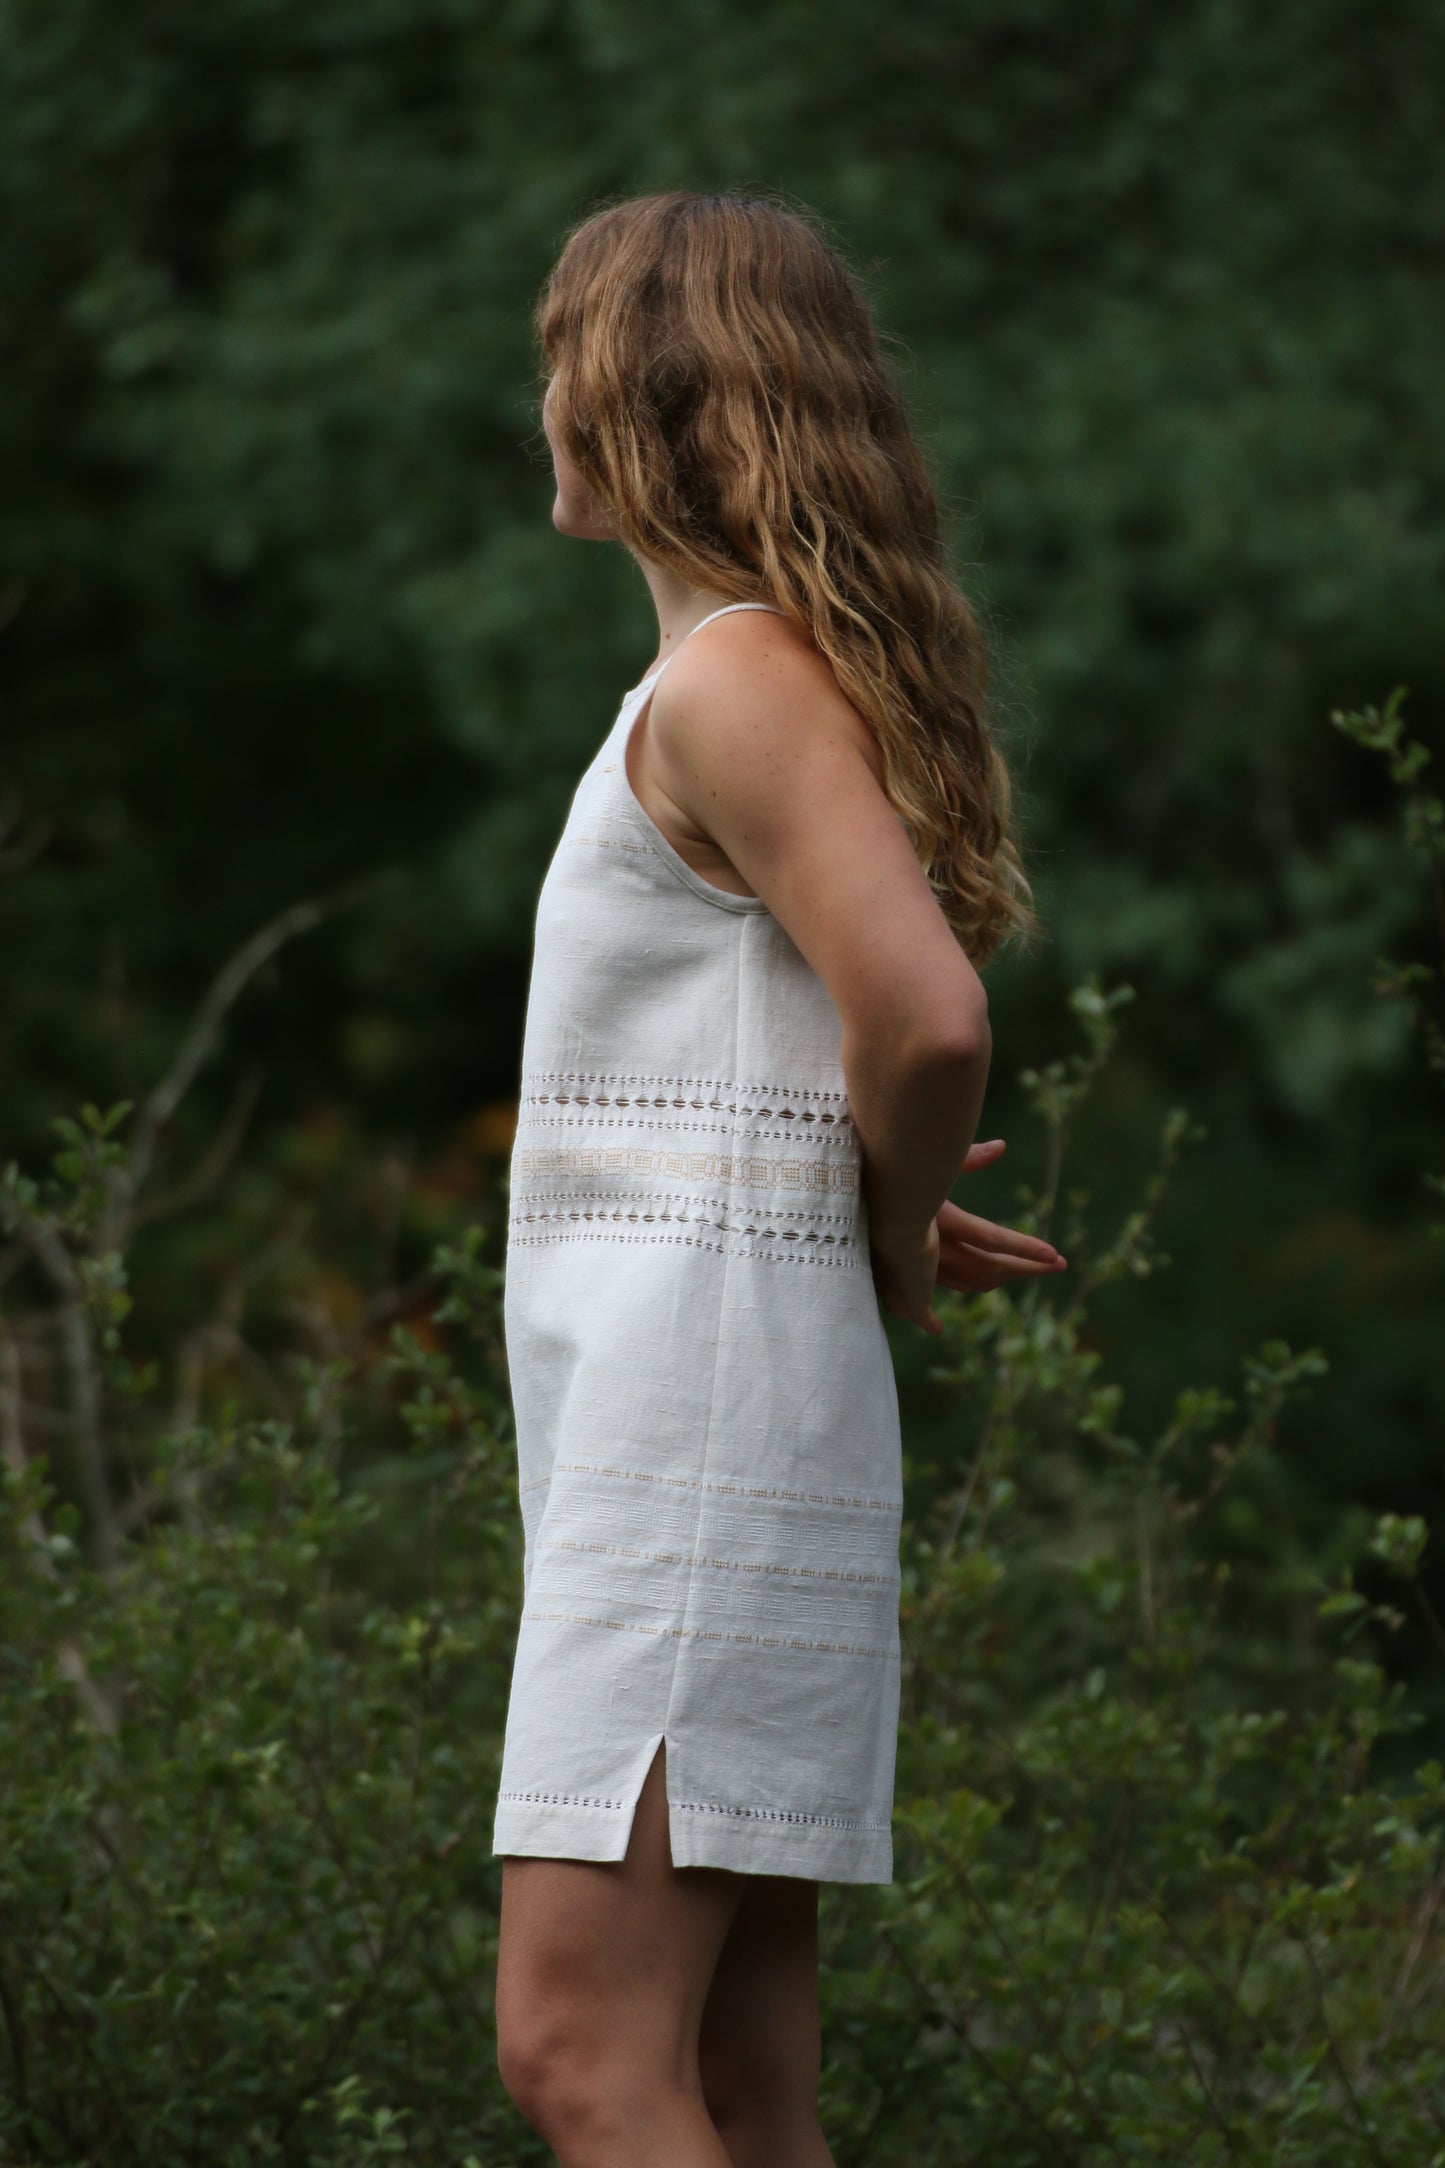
(706, 1413)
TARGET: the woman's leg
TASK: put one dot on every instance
(759, 2049)
(601, 1978)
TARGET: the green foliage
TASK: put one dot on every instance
(1142, 1911)
(246, 1900)
(1423, 827)
(1162, 1892)
(280, 604)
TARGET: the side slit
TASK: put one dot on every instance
(654, 1752)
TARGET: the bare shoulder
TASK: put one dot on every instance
(753, 686)
(761, 771)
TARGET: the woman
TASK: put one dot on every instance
(755, 1055)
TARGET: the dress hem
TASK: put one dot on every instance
(699, 1836)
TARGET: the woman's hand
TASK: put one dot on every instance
(958, 1250)
(905, 1274)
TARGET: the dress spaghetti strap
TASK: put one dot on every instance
(725, 611)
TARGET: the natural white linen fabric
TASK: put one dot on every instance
(707, 1420)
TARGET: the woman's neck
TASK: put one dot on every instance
(680, 607)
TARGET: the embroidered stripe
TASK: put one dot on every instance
(692, 1242)
(835, 1574)
(753, 1170)
(778, 1814)
(721, 1487)
(709, 1633)
(783, 1093)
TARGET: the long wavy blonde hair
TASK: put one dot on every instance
(719, 383)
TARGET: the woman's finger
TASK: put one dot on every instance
(1031, 1248)
(979, 1268)
(956, 1225)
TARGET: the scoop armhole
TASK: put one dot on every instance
(642, 820)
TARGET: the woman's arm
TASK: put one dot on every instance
(751, 738)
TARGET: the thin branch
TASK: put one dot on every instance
(1428, 1612)
(15, 2032)
(392, 1302)
(12, 1435)
(1040, 2014)
(69, 1659)
(83, 1375)
(203, 1035)
(1227, 1988)
(1208, 2091)
(1372, 2142)
(958, 1513)
(1419, 1935)
(214, 1161)
(961, 2033)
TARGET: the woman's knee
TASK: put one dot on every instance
(571, 2086)
(533, 2062)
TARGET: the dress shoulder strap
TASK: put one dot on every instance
(723, 612)
(712, 614)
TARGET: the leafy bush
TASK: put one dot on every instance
(1167, 1887)
(244, 1884)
